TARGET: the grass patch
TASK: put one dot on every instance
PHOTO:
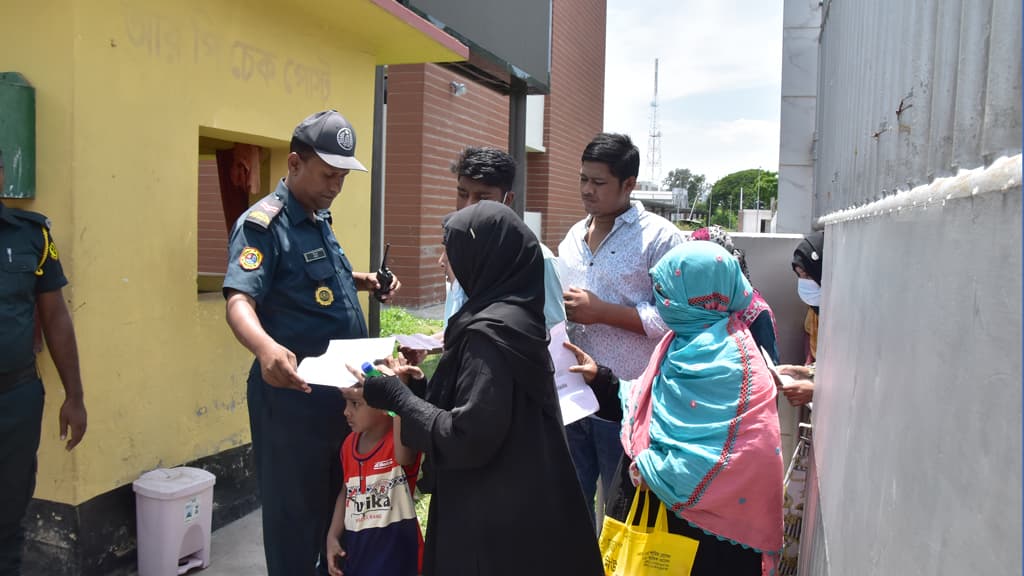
(422, 510)
(395, 320)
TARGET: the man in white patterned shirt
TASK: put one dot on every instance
(609, 302)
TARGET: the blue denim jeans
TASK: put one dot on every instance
(596, 451)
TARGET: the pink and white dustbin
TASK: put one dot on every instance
(174, 512)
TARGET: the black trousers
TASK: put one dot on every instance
(296, 439)
(21, 417)
(714, 557)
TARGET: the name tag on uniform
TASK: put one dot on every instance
(314, 255)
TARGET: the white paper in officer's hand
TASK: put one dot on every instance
(329, 368)
(575, 397)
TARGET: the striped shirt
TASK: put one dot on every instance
(382, 534)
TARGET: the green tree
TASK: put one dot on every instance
(724, 218)
(755, 183)
(694, 184)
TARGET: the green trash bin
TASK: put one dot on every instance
(18, 136)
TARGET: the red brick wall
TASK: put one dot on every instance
(573, 114)
(427, 127)
(212, 231)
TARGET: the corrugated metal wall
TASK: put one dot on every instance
(917, 413)
(911, 91)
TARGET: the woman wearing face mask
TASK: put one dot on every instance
(807, 260)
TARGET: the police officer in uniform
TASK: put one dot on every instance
(31, 279)
(290, 289)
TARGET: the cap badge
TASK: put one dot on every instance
(345, 139)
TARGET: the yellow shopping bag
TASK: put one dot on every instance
(629, 550)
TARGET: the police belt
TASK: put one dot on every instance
(10, 379)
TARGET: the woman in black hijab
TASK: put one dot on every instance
(807, 265)
(505, 498)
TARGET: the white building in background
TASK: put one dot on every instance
(753, 221)
(901, 135)
(668, 203)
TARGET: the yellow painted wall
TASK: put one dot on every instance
(124, 90)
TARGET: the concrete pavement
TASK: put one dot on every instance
(236, 549)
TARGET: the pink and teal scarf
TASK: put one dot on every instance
(701, 422)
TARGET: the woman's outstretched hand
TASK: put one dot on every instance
(587, 367)
(405, 370)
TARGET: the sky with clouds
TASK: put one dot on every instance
(720, 69)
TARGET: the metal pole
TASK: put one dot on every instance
(377, 189)
(739, 212)
(710, 190)
(693, 204)
(517, 140)
(758, 207)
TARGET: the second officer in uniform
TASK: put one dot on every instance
(31, 279)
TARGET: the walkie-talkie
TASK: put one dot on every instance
(384, 277)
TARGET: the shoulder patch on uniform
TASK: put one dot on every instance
(264, 211)
(35, 217)
(250, 258)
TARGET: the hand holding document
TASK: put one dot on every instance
(329, 369)
(577, 400)
(780, 379)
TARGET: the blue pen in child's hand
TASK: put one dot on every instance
(368, 371)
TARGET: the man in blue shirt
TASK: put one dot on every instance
(31, 279)
(488, 174)
(290, 290)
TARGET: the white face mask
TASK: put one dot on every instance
(809, 291)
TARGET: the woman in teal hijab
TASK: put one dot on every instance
(700, 427)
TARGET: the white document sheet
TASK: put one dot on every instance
(329, 369)
(575, 397)
(419, 342)
(565, 275)
(780, 379)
